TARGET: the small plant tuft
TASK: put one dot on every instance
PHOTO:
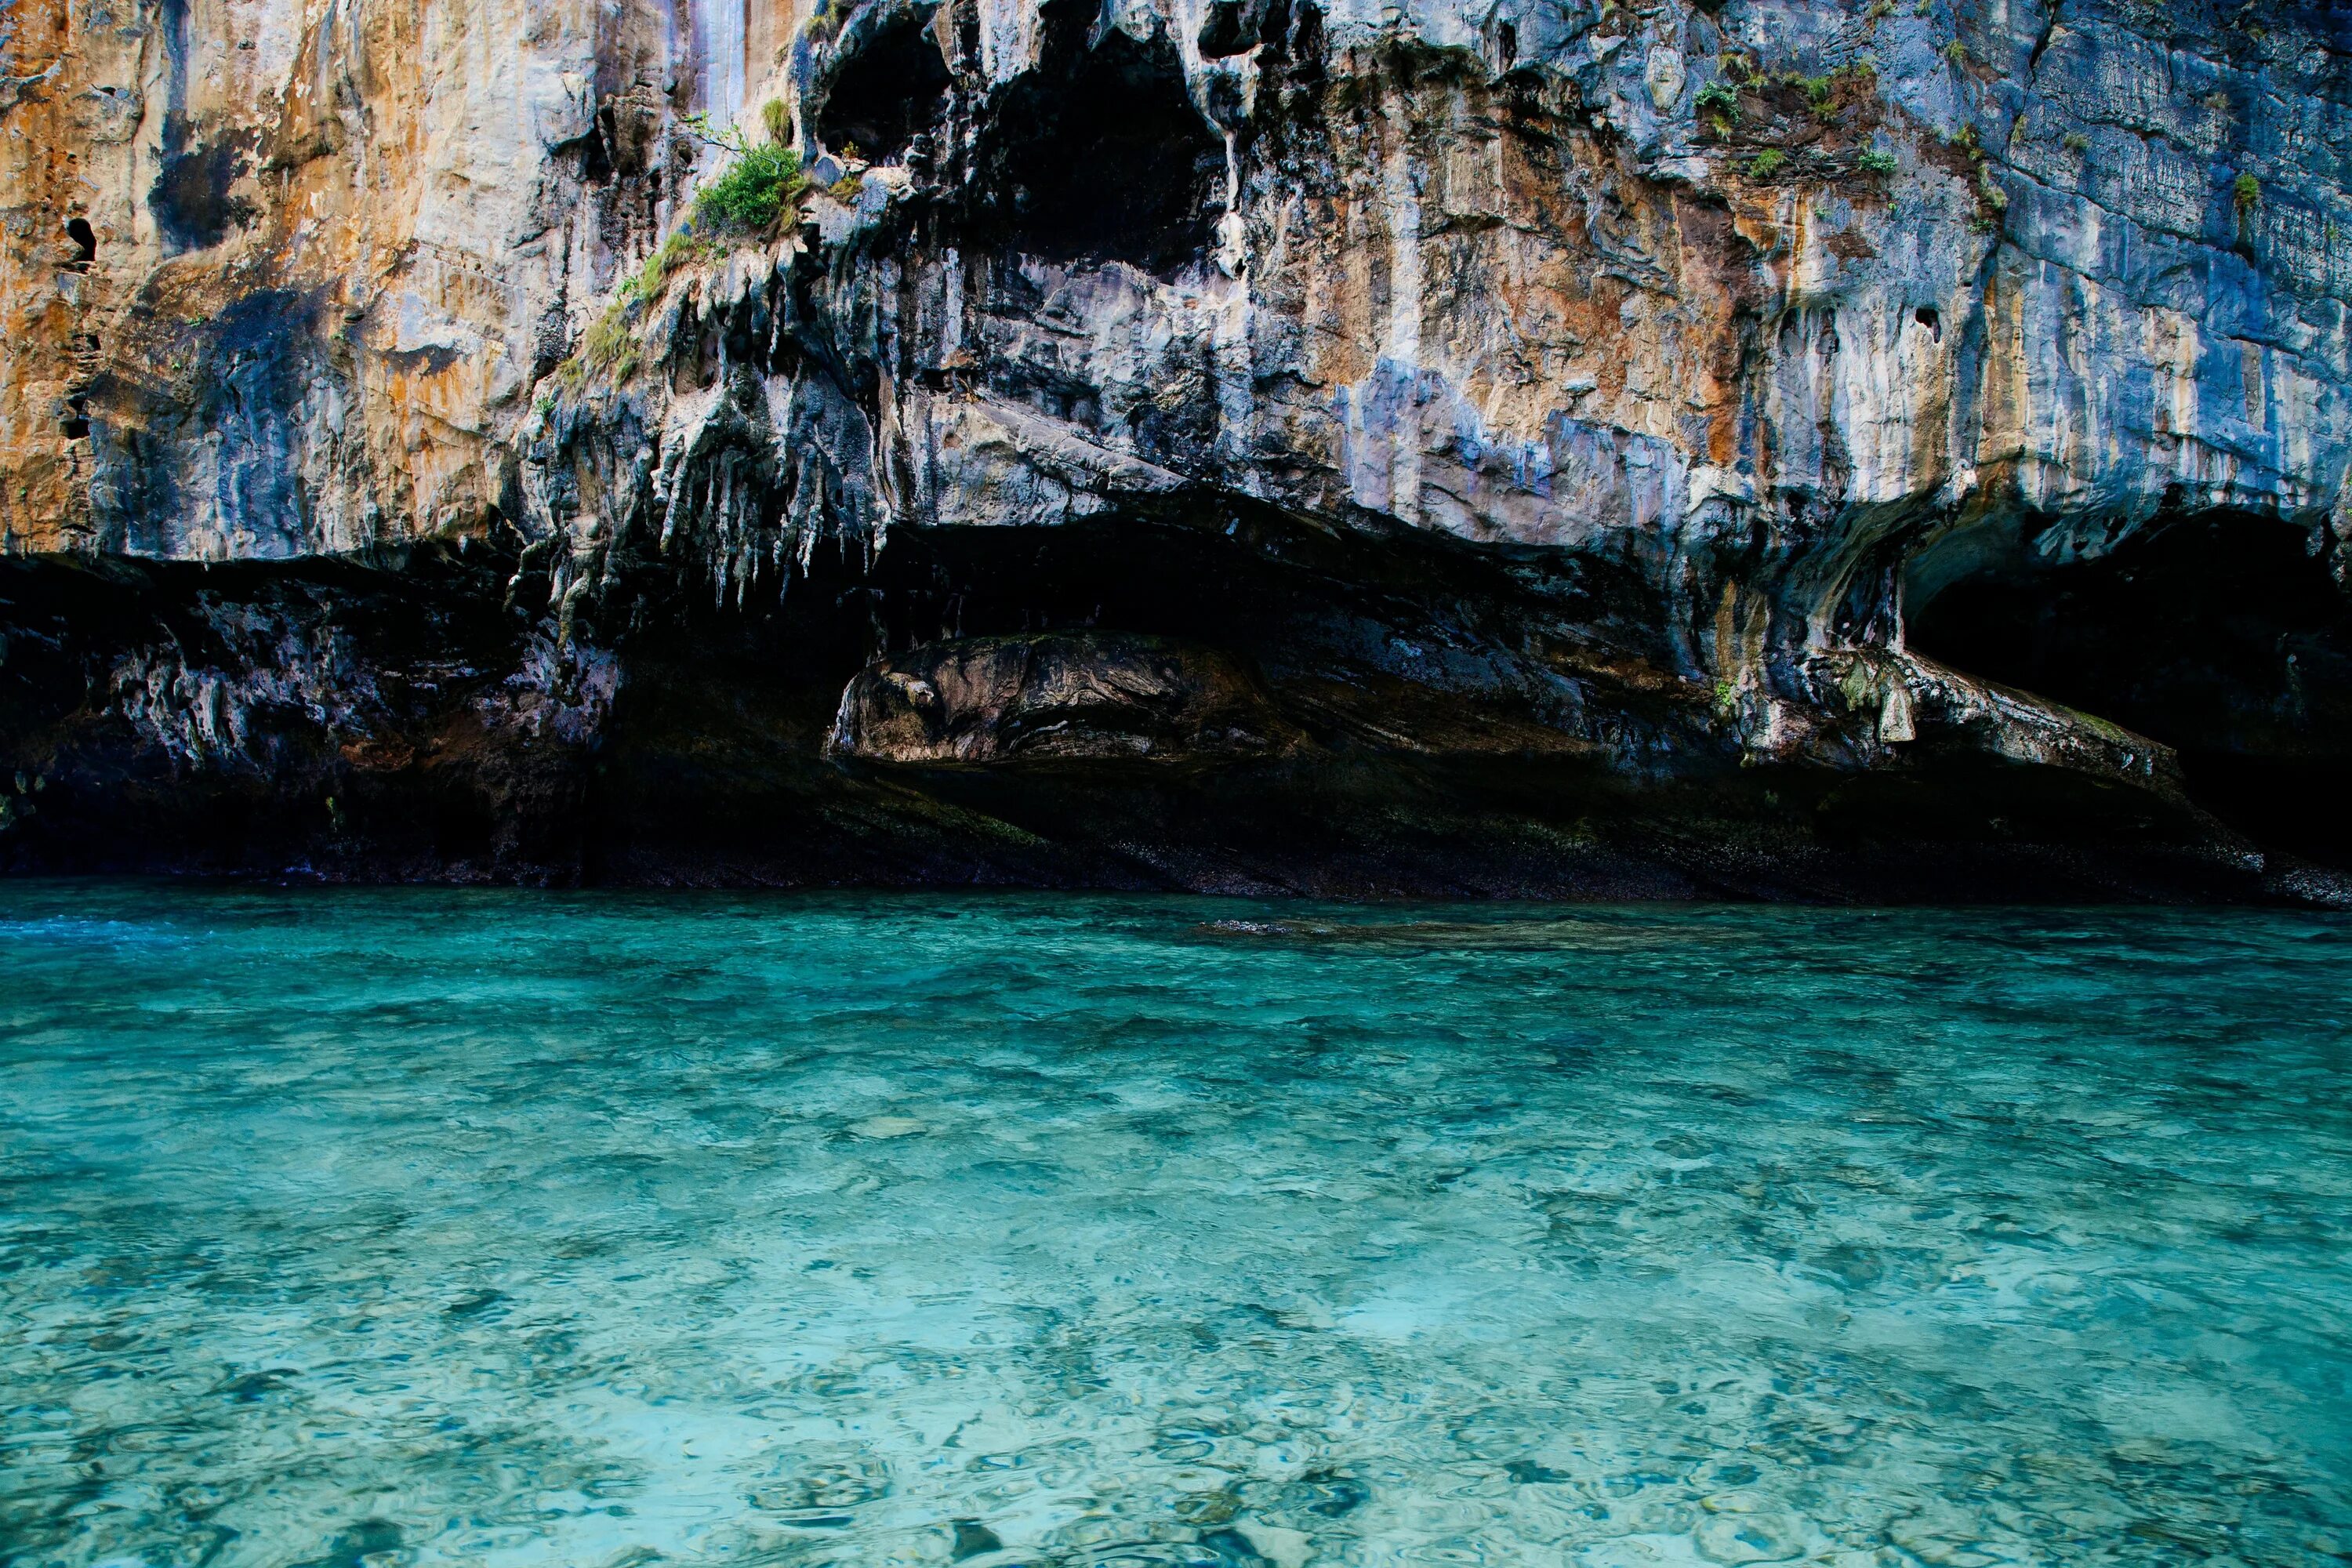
(608, 345)
(1767, 164)
(778, 119)
(1721, 99)
(1874, 162)
(1957, 52)
(676, 250)
(2076, 141)
(2247, 191)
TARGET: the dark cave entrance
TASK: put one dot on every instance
(2221, 635)
(1099, 153)
(890, 91)
(1237, 26)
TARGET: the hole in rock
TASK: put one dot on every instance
(890, 89)
(1099, 153)
(1930, 317)
(85, 240)
(1229, 28)
(75, 423)
(1307, 48)
(2221, 635)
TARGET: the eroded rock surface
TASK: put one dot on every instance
(1781, 446)
(1061, 696)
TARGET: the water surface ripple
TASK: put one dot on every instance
(359, 1228)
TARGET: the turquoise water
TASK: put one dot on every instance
(379, 1227)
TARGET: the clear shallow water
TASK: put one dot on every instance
(359, 1228)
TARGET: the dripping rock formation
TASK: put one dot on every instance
(1842, 448)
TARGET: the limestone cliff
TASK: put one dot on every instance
(1544, 445)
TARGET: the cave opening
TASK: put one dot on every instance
(85, 241)
(1099, 153)
(1229, 28)
(2223, 634)
(890, 91)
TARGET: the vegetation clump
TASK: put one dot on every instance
(752, 193)
(1722, 100)
(1759, 112)
(2246, 198)
(1875, 162)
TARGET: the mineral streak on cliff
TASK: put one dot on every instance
(1553, 446)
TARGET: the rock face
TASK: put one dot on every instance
(1778, 445)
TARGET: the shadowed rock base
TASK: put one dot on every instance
(1237, 702)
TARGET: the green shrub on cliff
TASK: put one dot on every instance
(750, 194)
(743, 203)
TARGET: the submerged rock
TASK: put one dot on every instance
(1775, 446)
